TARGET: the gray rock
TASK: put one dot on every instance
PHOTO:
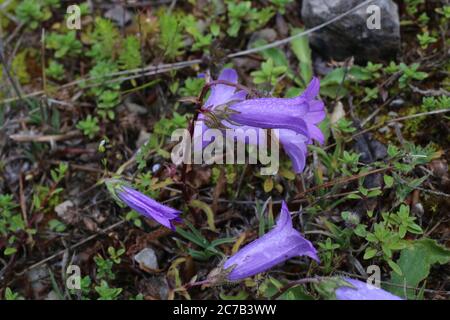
(135, 108)
(157, 287)
(397, 103)
(144, 136)
(61, 209)
(350, 36)
(267, 35)
(52, 295)
(37, 277)
(119, 15)
(147, 259)
(67, 212)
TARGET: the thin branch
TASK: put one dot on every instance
(102, 231)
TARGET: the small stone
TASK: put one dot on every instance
(135, 108)
(155, 287)
(268, 35)
(62, 208)
(156, 167)
(338, 113)
(144, 136)
(369, 149)
(147, 259)
(52, 295)
(37, 278)
(68, 212)
(119, 15)
(397, 103)
(439, 167)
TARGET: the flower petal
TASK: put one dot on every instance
(312, 90)
(363, 291)
(316, 112)
(148, 207)
(294, 145)
(222, 93)
(281, 243)
(315, 133)
(272, 113)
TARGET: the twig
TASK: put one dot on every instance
(430, 92)
(45, 138)
(412, 116)
(296, 283)
(422, 114)
(23, 205)
(340, 181)
(102, 231)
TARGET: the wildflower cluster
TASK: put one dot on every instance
(296, 120)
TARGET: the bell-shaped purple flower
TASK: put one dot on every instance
(296, 118)
(145, 205)
(363, 291)
(280, 244)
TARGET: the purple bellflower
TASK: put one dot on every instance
(296, 118)
(363, 291)
(144, 205)
(280, 244)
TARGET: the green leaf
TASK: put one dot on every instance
(302, 51)
(208, 211)
(353, 196)
(272, 286)
(415, 263)
(327, 287)
(241, 295)
(370, 253)
(171, 40)
(388, 181)
(360, 230)
(9, 251)
(359, 73)
(193, 237)
(268, 185)
(334, 77)
(395, 267)
(276, 54)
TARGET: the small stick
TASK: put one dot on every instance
(102, 231)
(45, 138)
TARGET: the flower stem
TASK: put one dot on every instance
(199, 104)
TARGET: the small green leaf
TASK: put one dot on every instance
(242, 295)
(388, 181)
(370, 253)
(9, 251)
(207, 210)
(268, 185)
(395, 267)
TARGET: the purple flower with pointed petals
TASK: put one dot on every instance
(363, 291)
(148, 207)
(296, 118)
(280, 244)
